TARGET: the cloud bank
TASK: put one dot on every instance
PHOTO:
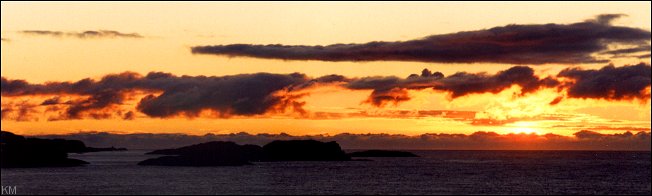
(168, 95)
(611, 83)
(513, 44)
(91, 34)
(582, 140)
(164, 95)
(393, 89)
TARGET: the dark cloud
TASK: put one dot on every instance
(83, 34)
(462, 83)
(52, 101)
(248, 94)
(583, 140)
(169, 95)
(383, 96)
(513, 44)
(393, 89)
(628, 51)
(96, 105)
(609, 82)
(129, 116)
(606, 19)
(127, 80)
(643, 56)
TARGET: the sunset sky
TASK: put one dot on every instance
(272, 67)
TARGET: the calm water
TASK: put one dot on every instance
(436, 172)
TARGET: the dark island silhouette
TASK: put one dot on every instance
(220, 153)
(215, 153)
(382, 153)
(18, 151)
(304, 150)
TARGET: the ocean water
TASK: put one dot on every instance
(436, 172)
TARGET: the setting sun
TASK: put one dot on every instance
(525, 128)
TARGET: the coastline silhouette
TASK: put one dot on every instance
(18, 151)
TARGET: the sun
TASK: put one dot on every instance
(524, 128)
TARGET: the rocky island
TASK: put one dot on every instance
(219, 153)
(216, 153)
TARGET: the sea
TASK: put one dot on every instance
(435, 172)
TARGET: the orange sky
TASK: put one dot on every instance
(170, 29)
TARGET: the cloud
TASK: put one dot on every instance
(612, 83)
(5, 40)
(97, 103)
(168, 95)
(241, 94)
(609, 82)
(628, 51)
(21, 111)
(403, 114)
(513, 44)
(163, 95)
(583, 140)
(53, 101)
(644, 56)
(605, 19)
(129, 116)
(393, 89)
(84, 34)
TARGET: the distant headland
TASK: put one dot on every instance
(18, 151)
